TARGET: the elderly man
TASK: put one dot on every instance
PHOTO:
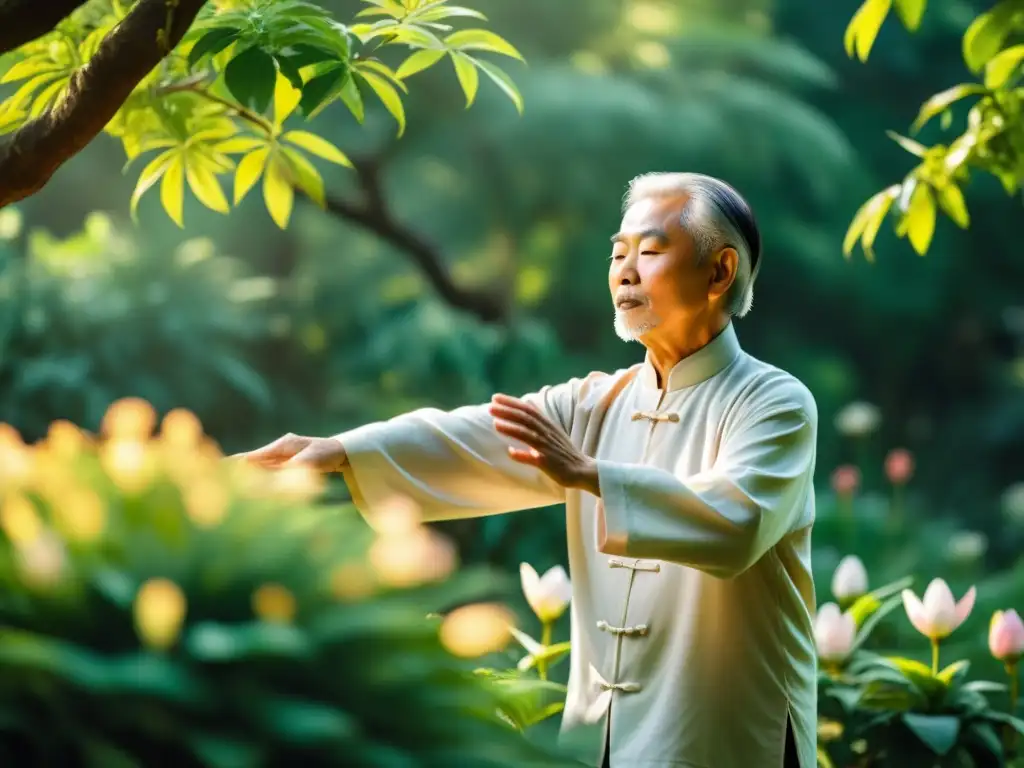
(688, 487)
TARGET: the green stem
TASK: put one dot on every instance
(1011, 732)
(935, 657)
(545, 640)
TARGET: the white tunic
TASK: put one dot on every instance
(692, 593)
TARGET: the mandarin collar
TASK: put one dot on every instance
(699, 366)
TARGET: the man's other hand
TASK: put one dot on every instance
(322, 453)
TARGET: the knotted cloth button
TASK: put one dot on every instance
(654, 416)
(639, 629)
(637, 566)
(624, 687)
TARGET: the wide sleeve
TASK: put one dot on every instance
(723, 520)
(451, 464)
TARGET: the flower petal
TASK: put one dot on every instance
(915, 612)
(964, 607)
(939, 609)
(531, 584)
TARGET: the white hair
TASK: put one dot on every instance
(706, 220)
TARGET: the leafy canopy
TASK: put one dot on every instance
(992, 141)
(218, 105)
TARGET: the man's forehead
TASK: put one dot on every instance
(652, 216)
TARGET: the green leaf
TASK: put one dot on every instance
(1002, 67)
(937, 732)
(320, 90)
(871, 619)
(469, 79)
(548, 654)
(985, 686)
(920, 218)
(204, 185)
(985, 36)
(251, 77)
(249, 170)
(286, 99)
(954, 672)
(863, 28)
(150, 175)
(352, 98)
(951, 200)
(417, 62)
(239, 144)
(913, 147)
(910, 13)
(172, 189)
(211, 44)
(481, 40)
(32, 66)
(985, 736)
(388, 96)
(868, 221)
(318, 146)
(940, 102)
(437, 12)
(305, 175)
(278, 193)
(503, 81)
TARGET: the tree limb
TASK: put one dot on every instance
(22, 21)
(31, 155)
(373, 213)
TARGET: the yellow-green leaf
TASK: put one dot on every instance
(482, 40)
(239, 144)
(920, 218)
(863, 27)
(388, 95)
(910, 13)
(1003, 66)
(985, 36)
(278, 193)
(952, 670)
(305, 175)
(868, 221)
(417, 62)
(35, 65)
(503, 81)
(437, 11)
(469, 79)
(205, 185)
(249, 170)
(352, 98)
(47, 97)
(286, 99)
(913, 147)
(318, 146)
(150, 175)
(951, 200)
(942, 100)
(23, 97)
(172, 190)
(384, 71)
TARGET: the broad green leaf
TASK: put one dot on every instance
(318, 146)
(941, 101)
(353, 99)
(910, 145)
(251, 77)
(391, 7)
(871, 619)
(211, 43)
(503, 81)
(384, 71)
(920, 218)
(305, 175)
(172, 190)
(938, 732)
(864, 26)
(483, 40)
(318, 91)
(1002, 67)
(1014, 722)
(910, 13)
(286, 99)
(985, 36)
(469, 79)
(951, 200)
(439, 11)
(31, 67)
(388, 96)
(278, 193)
(417, 62)
(955, 670)
(205, 185)
(249, 170)
(150, 175)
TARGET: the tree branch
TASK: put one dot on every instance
(22, 21)
(31, 155)
(373, 213)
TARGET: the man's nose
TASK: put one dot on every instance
(629, 276)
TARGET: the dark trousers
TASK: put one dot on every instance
(791, 759)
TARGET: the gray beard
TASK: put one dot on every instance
(632, 331)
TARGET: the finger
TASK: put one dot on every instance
(322, 456)
(281, 449)
(521, 433)
(515, 402)
(526, 456)
(528, 418)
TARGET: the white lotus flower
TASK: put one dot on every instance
(834, 633)
(548, 595)
(850, 579)
(858, 419)
(938, 614)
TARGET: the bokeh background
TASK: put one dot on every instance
(469, 257)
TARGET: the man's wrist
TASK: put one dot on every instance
(588, 479)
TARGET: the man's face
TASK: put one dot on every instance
(654, 276)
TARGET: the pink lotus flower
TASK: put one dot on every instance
(846, 480)
(850, 579)
(1006, 636)
(899, 466)
(834, 633)
(938, 615)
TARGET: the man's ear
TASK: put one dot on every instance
(725, 265)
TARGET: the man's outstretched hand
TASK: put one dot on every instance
(548, 447)
(322, 453)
